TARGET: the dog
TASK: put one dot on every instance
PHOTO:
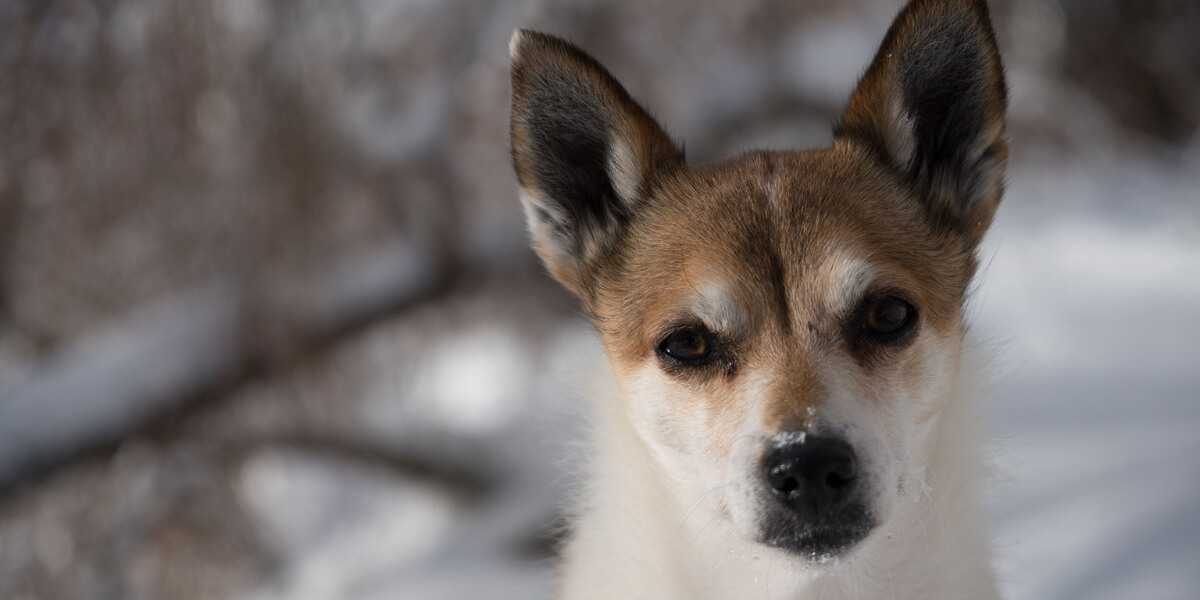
(790, 414)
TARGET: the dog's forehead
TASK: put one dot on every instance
(796, 222)
(786, 238)
(801, 207)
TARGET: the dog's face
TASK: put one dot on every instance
(780, 327)
(785, 324)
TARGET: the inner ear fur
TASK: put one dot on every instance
(932, 106)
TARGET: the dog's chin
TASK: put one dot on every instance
(817, 542)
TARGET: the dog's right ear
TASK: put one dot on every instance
(585, 154)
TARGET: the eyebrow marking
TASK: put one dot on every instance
(716, 307)
(849, 277)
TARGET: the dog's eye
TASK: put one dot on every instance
(888, 318)
(689, 345)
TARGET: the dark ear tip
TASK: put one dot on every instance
(976, 5)
(521, 41)
(528, 44)
(951, 12)
(978, 15)
(525, 38)
(514, 43)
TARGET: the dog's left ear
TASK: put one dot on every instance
(932, 106)
(586, 155)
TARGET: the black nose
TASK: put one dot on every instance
(811, 475)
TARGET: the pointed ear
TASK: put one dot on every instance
(585, 154)
(932, 106)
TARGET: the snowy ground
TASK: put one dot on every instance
(1095, 310)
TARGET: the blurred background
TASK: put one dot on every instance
(269, 326)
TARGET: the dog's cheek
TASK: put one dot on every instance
(666, 416)
(922, 385)
(930, 373)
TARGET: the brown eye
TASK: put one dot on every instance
(690, 345)
(888, 317)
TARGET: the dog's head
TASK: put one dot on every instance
(783, 324)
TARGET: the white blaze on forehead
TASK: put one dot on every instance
(848, 278)
(716, 306)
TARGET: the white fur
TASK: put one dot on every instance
(648, 526)
(544, 233)
(900, 134)
(715, 306)
(514, 45)
(850, 276)
(541, 231)
(623, 169)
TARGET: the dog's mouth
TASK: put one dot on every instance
(819, 541)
